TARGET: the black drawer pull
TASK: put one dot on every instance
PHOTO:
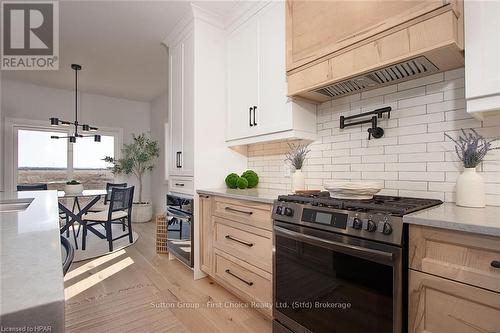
(495, 263)
(179, 184)
(236, 276)
(239, 240)
(238, 211)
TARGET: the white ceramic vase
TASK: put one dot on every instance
(470, 189)
(70, 189)
(298, 181)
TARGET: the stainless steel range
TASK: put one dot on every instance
(340, 265)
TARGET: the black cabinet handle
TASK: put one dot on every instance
(254, 122)
(237, 210)
(237, 240)
(178, 159)
(179, 184)
(236, 276)
(250, 116)
(495, 264)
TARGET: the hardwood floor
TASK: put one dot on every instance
(137, 290)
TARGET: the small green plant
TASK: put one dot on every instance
(252, 178)
(73, 182)
(138, 158)
(242, 183)
(232, 180)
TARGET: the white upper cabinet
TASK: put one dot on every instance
(242, 79)
(482, 56)
(181, 110)
(258, 109)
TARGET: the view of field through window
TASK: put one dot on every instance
(55, 161)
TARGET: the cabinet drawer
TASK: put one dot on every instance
(181, 184)
(441, 305)
(247, 212)
(249, 280)
(247, 243)
(459, 256)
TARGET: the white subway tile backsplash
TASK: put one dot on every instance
(406, 185)
(413, 158)
(428, 137)
(423, 119)
(421, 157)
(402, 149)
(406, 166)
(454, 74)
(421, 100)
(423, 176)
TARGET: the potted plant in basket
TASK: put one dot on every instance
(296, 157)
(73, 187)
(471, 148)
(138, 158)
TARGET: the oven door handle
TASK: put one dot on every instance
(178, 215)
(357, 251)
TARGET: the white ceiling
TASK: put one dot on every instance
(118, 44)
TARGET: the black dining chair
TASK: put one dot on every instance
(32, 187)
(99, 207)
(120, 208)
(44, 187)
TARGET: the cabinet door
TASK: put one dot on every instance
(242, 79)
(442, 305)
(273, 115)
(187, 156)
(176, 63)
(318, 28)
(206, 254)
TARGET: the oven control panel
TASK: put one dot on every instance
(377, 226)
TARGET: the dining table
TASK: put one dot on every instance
(76, 213)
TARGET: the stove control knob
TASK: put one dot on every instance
(387, 230)
(279, 210)
(357, 223)
(288, 211)
(371, 226)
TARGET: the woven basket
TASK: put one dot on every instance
(161, 234)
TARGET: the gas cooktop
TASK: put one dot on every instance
(380, 204)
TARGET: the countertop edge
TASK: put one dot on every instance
(237, 196)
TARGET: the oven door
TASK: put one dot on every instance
(328, 282)
(180, 235)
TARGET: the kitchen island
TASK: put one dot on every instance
(31, 277)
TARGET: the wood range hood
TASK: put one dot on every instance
(426, 38)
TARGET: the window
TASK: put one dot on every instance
(41, 159)
(88, 165)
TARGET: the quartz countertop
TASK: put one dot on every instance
(252, 194)
(31, 277)
(484, 221)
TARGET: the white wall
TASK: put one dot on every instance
(32, 102)
(413, 158)
(159, 186)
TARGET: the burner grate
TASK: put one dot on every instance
(397, 206)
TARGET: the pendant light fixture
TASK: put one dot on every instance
(84, 127)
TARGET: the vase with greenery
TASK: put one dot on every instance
(471, 148)
(296, 157)
(137, 159)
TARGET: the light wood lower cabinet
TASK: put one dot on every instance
(439, 305)
(454, 285)
(236, 247)
(206, 253)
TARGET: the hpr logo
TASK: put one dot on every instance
(30, 35)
